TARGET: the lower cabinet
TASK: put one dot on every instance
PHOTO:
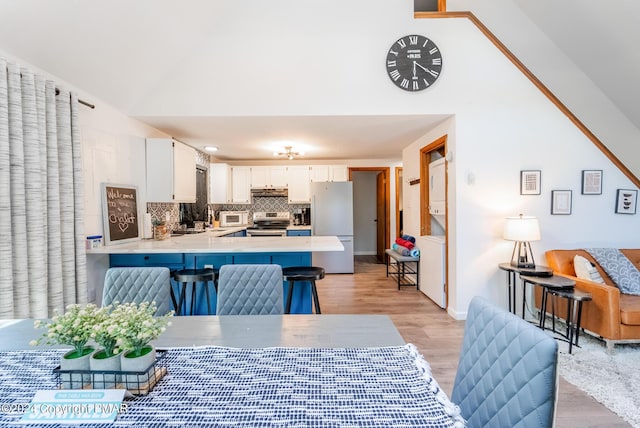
(174, 261)
(297, 232)
(239, 234)
(301, 299)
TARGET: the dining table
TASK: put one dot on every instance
(255, 371)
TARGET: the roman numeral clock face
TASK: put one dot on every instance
(414, 63)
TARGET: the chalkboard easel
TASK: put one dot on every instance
(120, 213)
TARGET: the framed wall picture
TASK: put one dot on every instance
(561, 202)
(530, 182)
(626, 201)
(592, 182)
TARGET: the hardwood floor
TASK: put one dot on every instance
(436, 334)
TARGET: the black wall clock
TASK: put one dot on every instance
(413, 63)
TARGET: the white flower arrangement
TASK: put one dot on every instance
(126, 326)
(106, 332)
(74, 328)
(137, 325)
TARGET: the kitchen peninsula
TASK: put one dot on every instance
(208, 249)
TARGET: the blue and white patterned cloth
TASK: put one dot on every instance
(619, 268)
(284, 387)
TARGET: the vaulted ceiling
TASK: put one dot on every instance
(121, 51)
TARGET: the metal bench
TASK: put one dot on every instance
(406, 268)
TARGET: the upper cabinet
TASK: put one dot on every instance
(233, 184)
(219, 183)
(299, 178)
(240, 185)
(171, 171)
(322, 173)
(263, 177)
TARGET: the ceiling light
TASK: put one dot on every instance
(211, 148)
(288, 152)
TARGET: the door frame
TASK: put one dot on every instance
(399, 174)
(439, 146)
(387, 195)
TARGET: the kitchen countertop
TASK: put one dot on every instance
(221, 231)
(212, 242)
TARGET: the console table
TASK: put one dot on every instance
(538, 271)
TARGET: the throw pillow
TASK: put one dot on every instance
(586, 270)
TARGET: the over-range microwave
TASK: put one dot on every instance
(234, 218)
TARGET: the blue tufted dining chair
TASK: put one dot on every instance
(250, 289)
(137, 285)
(507, 374)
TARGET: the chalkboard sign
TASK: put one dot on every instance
(120, 213)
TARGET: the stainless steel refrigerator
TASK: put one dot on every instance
(332, 215)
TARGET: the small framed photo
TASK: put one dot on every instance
(626, 201)
(530, 182)
(592, 182)
(561, 202)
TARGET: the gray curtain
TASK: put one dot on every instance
(42, 256)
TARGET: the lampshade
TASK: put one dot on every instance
(521, 229)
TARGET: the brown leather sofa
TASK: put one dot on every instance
(611, 315)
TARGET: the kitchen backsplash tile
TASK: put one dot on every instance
(159, 210)
(259, 205)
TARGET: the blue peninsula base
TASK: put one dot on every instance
(301, 300)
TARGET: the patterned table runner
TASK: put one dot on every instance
(287, 387)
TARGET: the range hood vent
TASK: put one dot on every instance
(270, 193)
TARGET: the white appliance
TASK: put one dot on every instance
(234, 218)
(437, 192)
(433, 269)
(332, 215)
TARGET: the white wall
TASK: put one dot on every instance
(509, 21)
(114, 152)
(492, 138)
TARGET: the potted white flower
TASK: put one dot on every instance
(138, 327)
(72, 328)
(106, 333)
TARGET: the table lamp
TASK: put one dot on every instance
(522, 230)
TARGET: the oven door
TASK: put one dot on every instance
(266, 232)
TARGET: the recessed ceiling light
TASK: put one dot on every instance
(211, 149)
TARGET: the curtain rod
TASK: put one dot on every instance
(83, 102)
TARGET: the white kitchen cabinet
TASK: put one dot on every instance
(219, 183)
(263, 177)
(299, 179)
(437, 186)
(323, 173)
(241, 185)
(171, 171)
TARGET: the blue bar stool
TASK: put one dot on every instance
(193, 276)
(302, 274)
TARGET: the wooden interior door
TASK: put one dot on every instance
(381, 216)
